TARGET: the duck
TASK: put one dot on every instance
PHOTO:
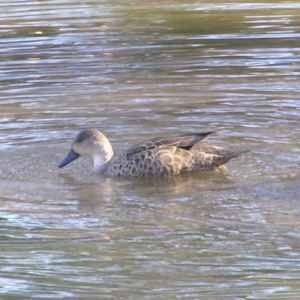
(159, 156)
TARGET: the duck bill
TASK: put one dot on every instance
(69, 158)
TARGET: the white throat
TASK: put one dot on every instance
(98, 162)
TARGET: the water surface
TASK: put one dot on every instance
(135, 71)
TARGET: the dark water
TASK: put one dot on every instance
(135, 70)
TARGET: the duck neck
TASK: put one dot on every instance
(101, 164)
(102, 169)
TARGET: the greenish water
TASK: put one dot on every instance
(135, 70)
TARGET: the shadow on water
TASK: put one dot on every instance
(174, 188)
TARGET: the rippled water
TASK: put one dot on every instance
(136, 70)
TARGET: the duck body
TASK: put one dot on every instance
(156, 157)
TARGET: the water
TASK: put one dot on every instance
(135, 71)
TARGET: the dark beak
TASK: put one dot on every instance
(69, 158)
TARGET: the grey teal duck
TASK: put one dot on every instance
(161, 156)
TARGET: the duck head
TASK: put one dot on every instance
(90, 142)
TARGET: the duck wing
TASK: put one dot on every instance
(158, 156)
(207, 157)
(185, 141)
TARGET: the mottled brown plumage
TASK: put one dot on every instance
(155, 157)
